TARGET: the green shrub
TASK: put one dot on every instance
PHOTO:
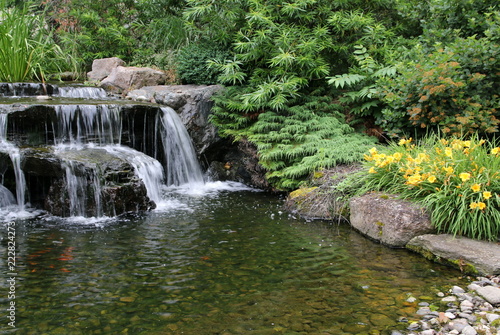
(296, 141)
(457, 180)
(451, 89)
(192, 63)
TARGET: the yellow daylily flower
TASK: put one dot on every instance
(476, 187)
(448, 169)
(487, 195)
(464, 176)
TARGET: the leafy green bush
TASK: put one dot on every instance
(192, 63)
(458, 180)
(298, 140)
(451, 89)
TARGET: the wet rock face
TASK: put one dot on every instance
(223, 158)
(104, 184)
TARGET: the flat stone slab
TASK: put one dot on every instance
(471, 256)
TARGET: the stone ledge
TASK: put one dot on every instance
(470, 256)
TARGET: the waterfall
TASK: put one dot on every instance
(77, 135)
(182, 166)
(6, 197)
(82, 186)
(15, 157)
(82, 124)
(82, 92)
(148, 169)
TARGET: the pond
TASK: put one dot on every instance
(225, 260)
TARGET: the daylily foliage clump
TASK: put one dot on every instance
(457, 180)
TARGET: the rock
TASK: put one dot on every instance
(101, 68)
(123, 79)
(320, 202)
(468, 255)
(393, 222)
(458, 324)
(492, 317)
(468, 330)
(490, 294)
(121, 190)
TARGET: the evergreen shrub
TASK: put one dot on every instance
(192, 63)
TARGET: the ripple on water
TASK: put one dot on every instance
(167, 272)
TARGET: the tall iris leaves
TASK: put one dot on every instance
(16, 47)
(27, 50)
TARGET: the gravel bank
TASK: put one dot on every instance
(474, 310)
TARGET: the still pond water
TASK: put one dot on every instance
(217, 262)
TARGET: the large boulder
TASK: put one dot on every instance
(101, 68)
(104, 184)
(321, 200)
(389, 220)
(123, 79)
(468, 255)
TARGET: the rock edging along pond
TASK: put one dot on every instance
(399, 223)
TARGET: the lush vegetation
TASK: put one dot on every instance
(308, 82)
(458, 180)
(27, 49)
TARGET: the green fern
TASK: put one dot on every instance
(301, 140)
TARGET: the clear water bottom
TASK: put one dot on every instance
(224, 262)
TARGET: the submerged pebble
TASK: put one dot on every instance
(472, 312)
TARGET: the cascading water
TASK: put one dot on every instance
(182, 165)
(82, 92)
(6, 197)
(83, 124)
(80, 188)
(148, 169)
(15, 157)
(147, 148)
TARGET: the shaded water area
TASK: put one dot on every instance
(212, 262)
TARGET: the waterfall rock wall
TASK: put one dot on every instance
(222, 157)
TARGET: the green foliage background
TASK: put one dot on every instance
(304, 79)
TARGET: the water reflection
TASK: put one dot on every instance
(222, 263)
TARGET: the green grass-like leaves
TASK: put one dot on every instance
(458, 180)
(27, 50)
